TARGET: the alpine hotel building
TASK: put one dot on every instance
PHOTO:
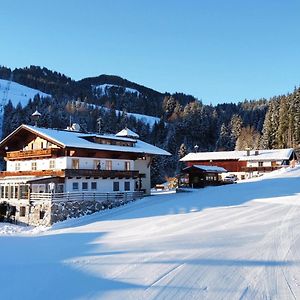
(55, 174)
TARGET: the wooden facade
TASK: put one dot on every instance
(232, 165)
(195, 177)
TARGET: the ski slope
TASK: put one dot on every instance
(238, 241)
(18, 93)
(150, 120)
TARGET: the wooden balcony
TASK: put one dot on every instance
(261, 169)
(30, 154)
(101, 173)
(74, 173)
(55, 173)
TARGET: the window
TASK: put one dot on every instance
(22, 211)
(108, 165)
(6, 191)
(52, 164)
(2, 191)
(116, 186)
(94, 185)
(75, 163)
(17, 166)
(260, 163)
(60, 188)
(75, 186)
(16, 191)
(85, 186)
(127, 165)
(33, 166)
(97, 164)
(23, 191)
(127, 185)
(42, 214)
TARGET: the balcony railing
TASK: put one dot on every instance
(101, 173)
(75, 173)
(261, 169)
(39, 173)
(86, 196)
(38, 153)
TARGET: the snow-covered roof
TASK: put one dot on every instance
(73, 139)
(267, 155)
(261, 155)
(127, 133)
(213, 169)
(221, 155)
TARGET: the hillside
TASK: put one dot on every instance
(176, 122)
(232, 242)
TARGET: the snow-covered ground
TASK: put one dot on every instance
(236, 241)
(102, 89)
(143, 118)
(17, 92)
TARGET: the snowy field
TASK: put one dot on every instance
(240, 241)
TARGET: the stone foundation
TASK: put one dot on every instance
(61, 211)
(47, 212)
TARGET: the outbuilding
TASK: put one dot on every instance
(199, 176)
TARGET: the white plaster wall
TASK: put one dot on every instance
(103, 185)
(62, 163)
(254, 164)
(88, 163)
(143, 166)
(42, 164)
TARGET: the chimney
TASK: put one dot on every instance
(256, 152)
(248, 152)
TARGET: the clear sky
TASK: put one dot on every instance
(216, 50)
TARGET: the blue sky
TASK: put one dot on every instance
(218, 51)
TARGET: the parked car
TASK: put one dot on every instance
(230, 178)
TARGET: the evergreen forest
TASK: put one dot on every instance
(185, 122)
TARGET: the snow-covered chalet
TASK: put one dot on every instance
(55, 174)
(244, 164)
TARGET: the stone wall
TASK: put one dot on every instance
(63, 210)
(40, 214)
(46, 212)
